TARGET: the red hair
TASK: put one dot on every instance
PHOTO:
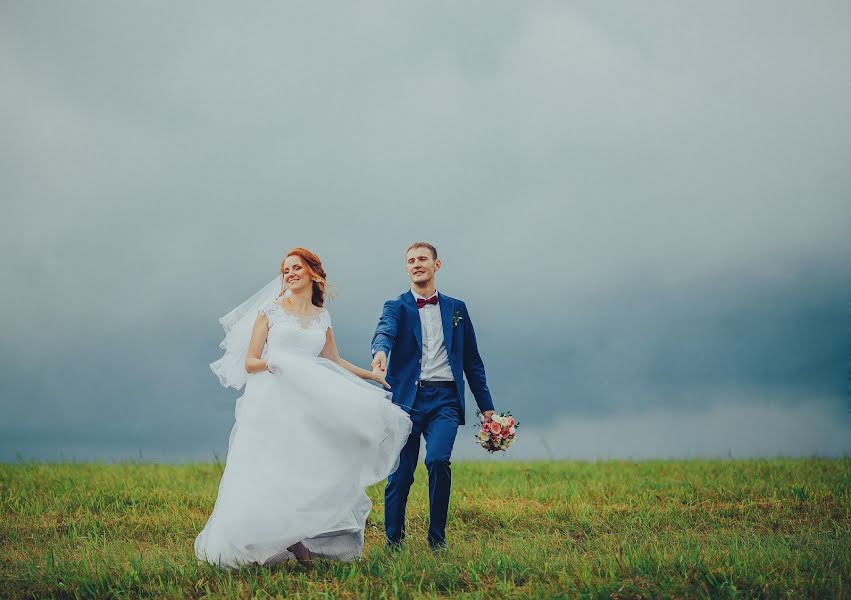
(314, 270)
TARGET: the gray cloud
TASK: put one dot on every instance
(645, 207)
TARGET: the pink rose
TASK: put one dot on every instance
(494, 426)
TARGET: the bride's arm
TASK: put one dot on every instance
(253, 362)
(330, 352)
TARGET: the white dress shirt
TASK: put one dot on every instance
(435, 361)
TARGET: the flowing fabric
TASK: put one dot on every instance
(238, 323)
(307, 440)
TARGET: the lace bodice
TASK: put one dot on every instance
(289, 332)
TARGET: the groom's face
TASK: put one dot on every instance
(420, 264)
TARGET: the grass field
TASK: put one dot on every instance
(751, 528)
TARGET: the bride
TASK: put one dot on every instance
(310, 433)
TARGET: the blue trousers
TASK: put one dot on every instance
(435, 415)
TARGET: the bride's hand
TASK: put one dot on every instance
(379, 378)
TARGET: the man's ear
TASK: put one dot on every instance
(437, 264)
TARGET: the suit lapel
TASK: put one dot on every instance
(416, 325)
(447, 308)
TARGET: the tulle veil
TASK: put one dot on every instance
(238, 323)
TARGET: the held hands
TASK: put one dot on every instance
(379, 369)
(379, 378)
(379, 363)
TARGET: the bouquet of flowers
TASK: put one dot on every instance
(496, 432)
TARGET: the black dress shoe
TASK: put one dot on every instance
(302, 554)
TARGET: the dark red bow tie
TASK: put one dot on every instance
(422, 301)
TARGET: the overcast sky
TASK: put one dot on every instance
(646, 207)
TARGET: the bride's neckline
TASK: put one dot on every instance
(295, 314)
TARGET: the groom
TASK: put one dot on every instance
(431, 344)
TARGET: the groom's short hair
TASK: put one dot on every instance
(423, 245)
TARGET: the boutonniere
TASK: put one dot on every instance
(456, 318)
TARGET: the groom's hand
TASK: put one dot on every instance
(379, 363)
(487, 414)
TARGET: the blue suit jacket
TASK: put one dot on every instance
(399, 336)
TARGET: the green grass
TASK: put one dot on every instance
(721, 529)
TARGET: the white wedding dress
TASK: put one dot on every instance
(306, 442)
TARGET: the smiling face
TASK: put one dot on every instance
(296, 274)
(421, 265)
